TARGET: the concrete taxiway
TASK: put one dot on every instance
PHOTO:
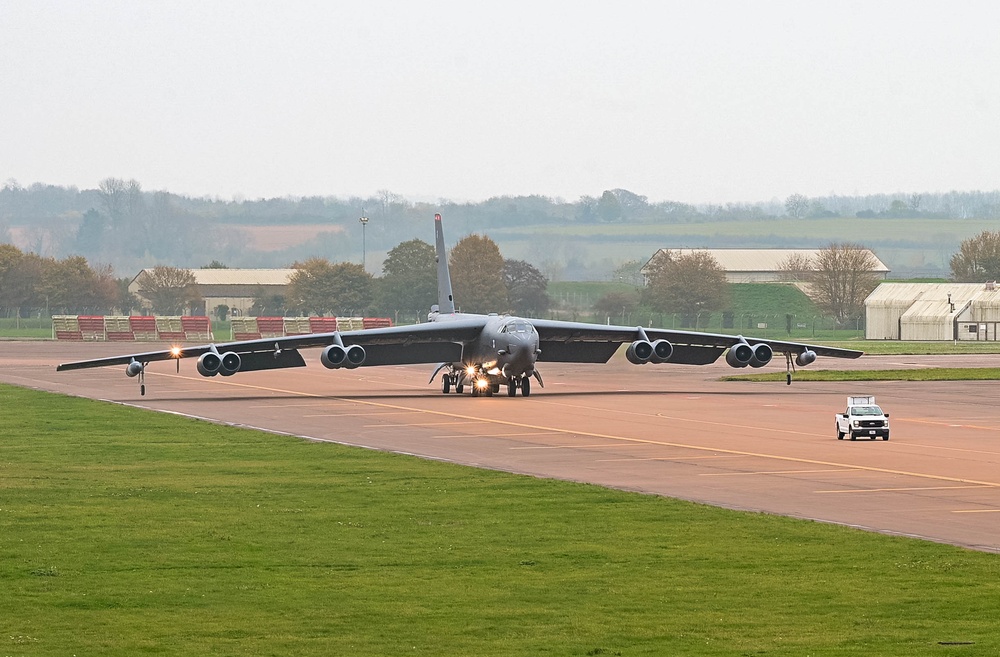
(667, 430)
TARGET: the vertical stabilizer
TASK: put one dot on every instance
(446, 301)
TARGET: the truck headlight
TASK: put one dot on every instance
(856, 424)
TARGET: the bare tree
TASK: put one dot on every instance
(113, 195)
(168, 289)
(978, 259)
(844, 275)
(796, 268)
(796, 206)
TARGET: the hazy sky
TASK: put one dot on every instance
(688, 101)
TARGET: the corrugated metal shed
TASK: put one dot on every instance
(932, 311)
(756, 265)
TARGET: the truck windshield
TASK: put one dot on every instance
(866, 410)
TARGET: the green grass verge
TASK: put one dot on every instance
(900, 348)
(923, 374)
(125, 532)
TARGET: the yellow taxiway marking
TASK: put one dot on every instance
(977, 511)
(450, 423)
(501, 435)
(672, 458)
(601, 436)
(574, 446)
(778, 472)
(371, 414)
(902, 489)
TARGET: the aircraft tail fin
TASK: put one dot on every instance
(446, 300)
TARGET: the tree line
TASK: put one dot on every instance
(840, 278)
(121, 223)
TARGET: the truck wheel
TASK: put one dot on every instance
(840, 434)
(885, 437)
(853, 437)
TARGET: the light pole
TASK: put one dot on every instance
(364, 222)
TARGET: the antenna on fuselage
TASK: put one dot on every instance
(446, 300)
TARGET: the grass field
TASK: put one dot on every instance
(125, 532)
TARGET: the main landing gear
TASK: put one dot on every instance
(483, 386)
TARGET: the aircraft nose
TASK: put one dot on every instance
(521, 354)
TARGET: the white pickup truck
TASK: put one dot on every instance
(863, 419)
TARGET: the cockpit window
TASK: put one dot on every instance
(518, 327)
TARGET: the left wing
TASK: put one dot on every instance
(578, 342)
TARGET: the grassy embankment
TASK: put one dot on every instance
(127, 532)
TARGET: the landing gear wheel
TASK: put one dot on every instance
(512, 388)
(488, 391)
(459, 388)
(525, 387)
(475, 390)
(446, 384)
(495, 387)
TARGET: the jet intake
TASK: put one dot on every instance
(739, 355)
(133, 369)
(662, 351)
(335, 356)
(231, 362)
(209, 363)
(639, 352)
(762, 354)
(805, 358)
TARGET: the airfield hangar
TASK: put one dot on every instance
(756, 265)
(236, 288)
(933, 311)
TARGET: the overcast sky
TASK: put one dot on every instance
(687, 101)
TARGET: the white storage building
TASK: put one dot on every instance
(933, 311)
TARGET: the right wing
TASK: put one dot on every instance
(433, 342)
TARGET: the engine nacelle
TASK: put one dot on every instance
(209, 363)
(335, 356)
(639, 352)
(762, 354)
(134, 369)
(231, 362)
(739, 355)
(662, 351)
(355, 356)
(805, 358)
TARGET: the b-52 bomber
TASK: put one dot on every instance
(481, 352)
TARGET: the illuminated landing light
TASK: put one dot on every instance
(482, 383)
(175, 352)
(470, 370)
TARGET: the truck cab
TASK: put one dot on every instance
(863, 419)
